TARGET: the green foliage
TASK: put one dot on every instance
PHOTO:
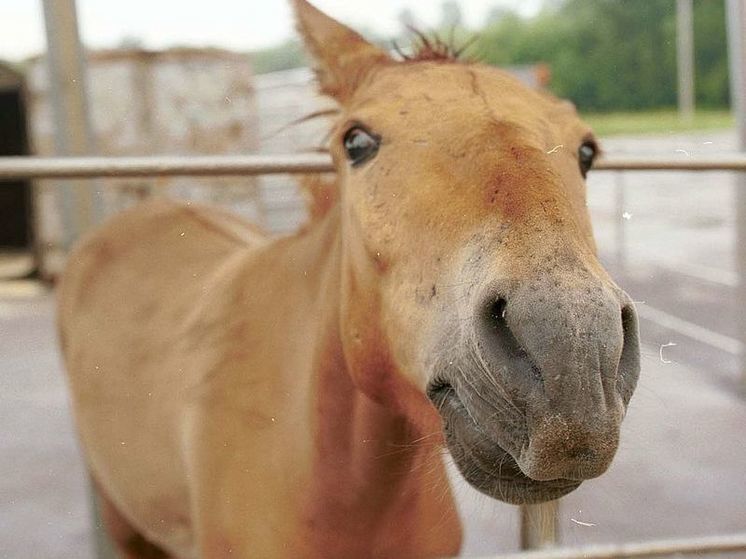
(711, 53)
(605, 55)
(291, 54)
(283, 57)
(614, 54)
(659, 121)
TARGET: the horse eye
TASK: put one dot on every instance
(361, 145)
(586, 156)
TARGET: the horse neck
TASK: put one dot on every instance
(350, 427)
(369, 461)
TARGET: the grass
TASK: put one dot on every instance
(656, 122)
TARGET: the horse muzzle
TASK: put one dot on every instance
(532, 401)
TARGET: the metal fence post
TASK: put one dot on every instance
(103, 547)
(685, 57)
(73, 136)
(68, 96)
(736, 21)
(620, 219)
(539, 525)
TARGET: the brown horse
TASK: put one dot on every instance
(244, 397)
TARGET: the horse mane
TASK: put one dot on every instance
(434, 48)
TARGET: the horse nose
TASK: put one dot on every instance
(568, 361)
(548, 341)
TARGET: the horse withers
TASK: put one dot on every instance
(239, 396)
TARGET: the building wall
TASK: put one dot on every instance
(176, 102)
(283, 99)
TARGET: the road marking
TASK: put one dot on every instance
(690, 330)
(706, 273)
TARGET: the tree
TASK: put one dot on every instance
(497, 13)
(282, 57)
(614, 54)
(711, 56)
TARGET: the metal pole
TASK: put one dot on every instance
(736, 21)
(68, 97)
(73, 136)
(620, 216)
(685, 56)
(735, 543)
(103, 545)
(539, 525)
(165, 166)
(251, 165)
(736, 24)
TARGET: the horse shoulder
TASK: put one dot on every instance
(155, 240)
(128, 292)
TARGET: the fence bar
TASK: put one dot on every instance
(736, 162)
(246, 165)
(693, 546)
(736, 24)
(120, 167)
(540, 525)
(68, 96)
(620, 219)
(685, 57)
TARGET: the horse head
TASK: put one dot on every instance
(470, 280)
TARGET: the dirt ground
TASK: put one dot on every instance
(681, 468)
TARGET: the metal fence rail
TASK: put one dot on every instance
(693, 546)
(249, 165)
(123, 167)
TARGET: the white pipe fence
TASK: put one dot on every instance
(534, 533)
(249, 165)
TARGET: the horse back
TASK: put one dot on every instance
(147, 259)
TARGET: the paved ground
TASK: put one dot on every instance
(674, 252)
(43, 507)
(681, 470)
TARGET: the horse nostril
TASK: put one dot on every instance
(499, 341)
(629, 319)
(497, 313)
(494, 319)
(629, 362)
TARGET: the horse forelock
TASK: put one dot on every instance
(434, 49)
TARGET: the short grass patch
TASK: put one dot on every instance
(656, 122)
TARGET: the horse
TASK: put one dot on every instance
(238, 395)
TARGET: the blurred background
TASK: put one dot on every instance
(653, 77)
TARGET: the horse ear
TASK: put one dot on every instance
(343, 57)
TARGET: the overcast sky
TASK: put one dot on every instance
(232, 24)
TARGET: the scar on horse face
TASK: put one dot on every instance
(242, 395)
